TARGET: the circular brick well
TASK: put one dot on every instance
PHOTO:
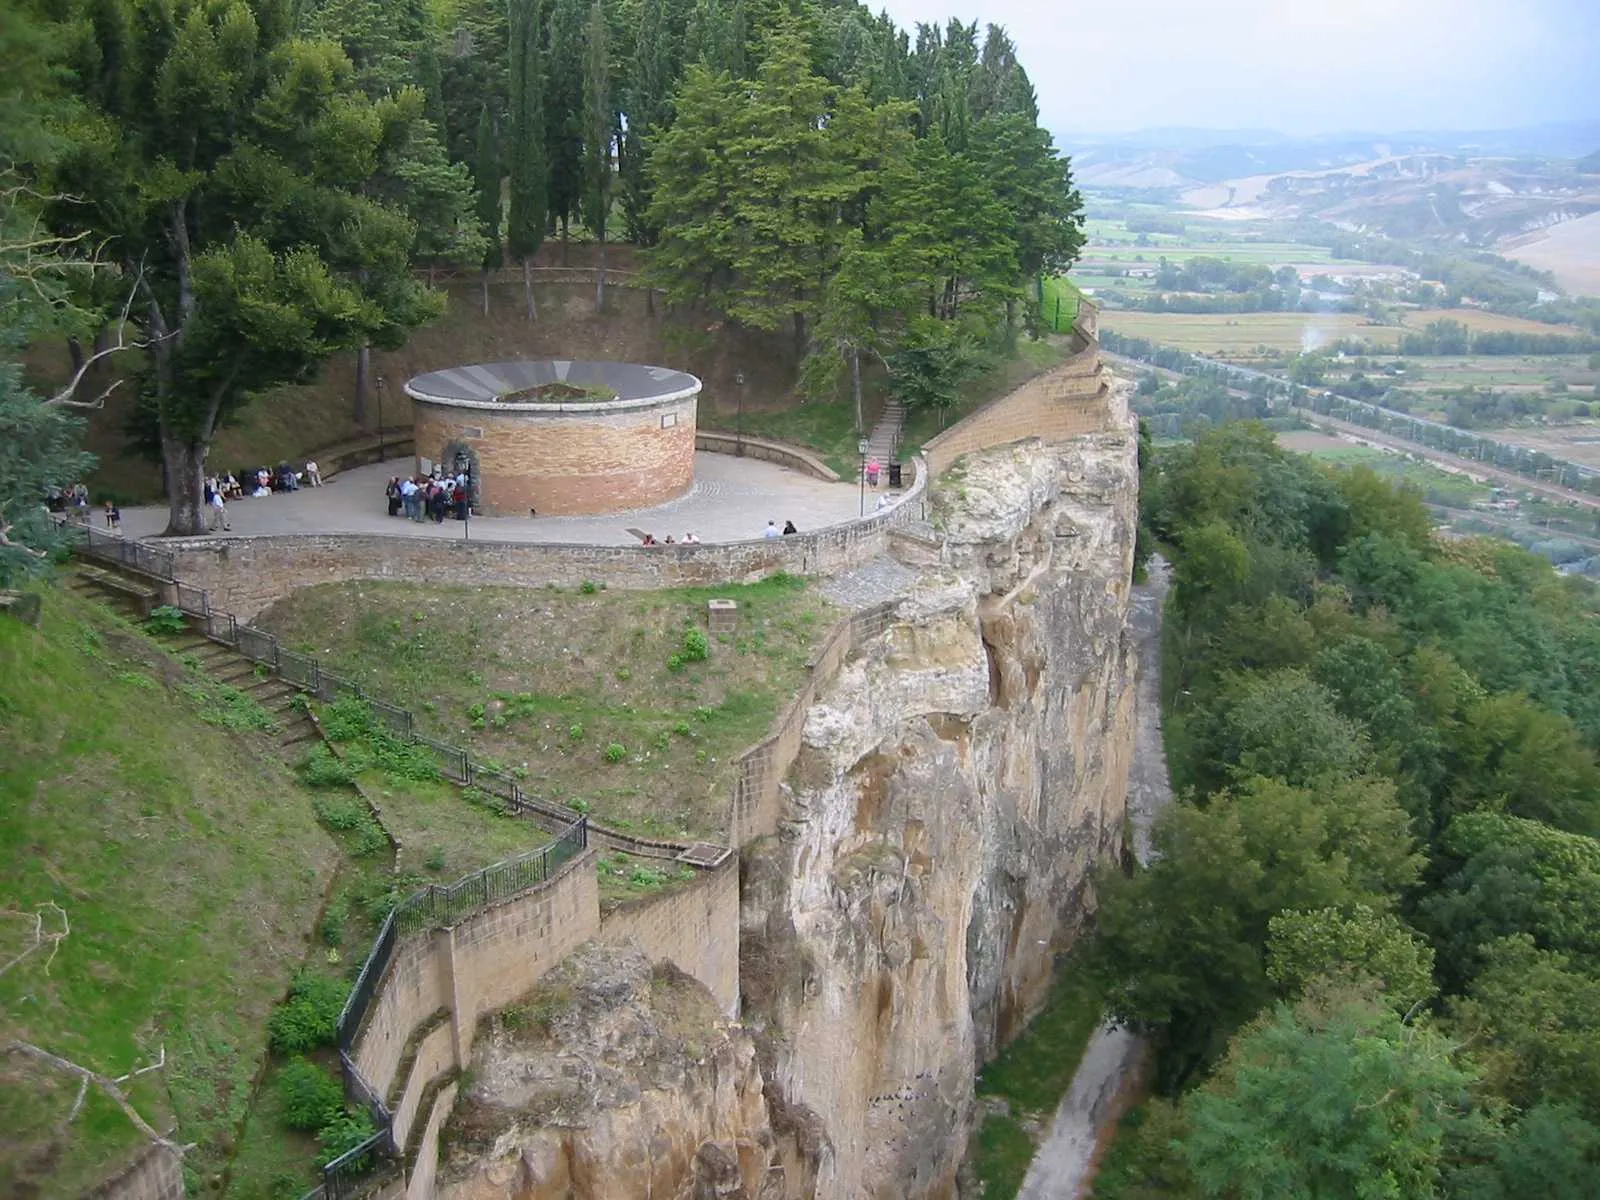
(561, 454)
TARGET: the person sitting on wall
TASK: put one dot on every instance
(668, 541)
(649, 539)
(691, 538)
(772, 530)
(788, 527)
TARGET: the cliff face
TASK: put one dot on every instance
(615, 1078)
(958, 781)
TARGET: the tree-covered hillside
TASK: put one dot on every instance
(1368, 954)
(258, 182)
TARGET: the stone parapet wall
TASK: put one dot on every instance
(435, 1055)
(1064, 402)
(419, 1183)
(243, 575)
(796, 458)
(411, 991)
(695, 926)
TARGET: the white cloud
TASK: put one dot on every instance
(1297, 65)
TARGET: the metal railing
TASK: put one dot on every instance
(438, 905)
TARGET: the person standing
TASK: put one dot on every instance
(313, 475)
(874, 469)
(408, 498)
(219, 511)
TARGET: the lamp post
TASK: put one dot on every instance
(861, 474)
(738, 379)
(380, 419)
(464, 470)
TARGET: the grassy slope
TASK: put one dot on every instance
(569, 675)
(191, 868)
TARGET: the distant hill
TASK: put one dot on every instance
(1589, 165)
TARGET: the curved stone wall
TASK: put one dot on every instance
(561, 459)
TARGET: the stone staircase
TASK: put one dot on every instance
(135, 598)
(884, 440)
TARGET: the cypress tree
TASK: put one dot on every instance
(599, 125)
(486, 174)
(528, 170)
(564, 112)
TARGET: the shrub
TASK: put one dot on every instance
(588, 587)
(311, 1097)
(682, 729)
(347, 719)
(309, 1017)
(346, 1130)
(369, 841)
(696, 646)
(616, 752)
(575, 731)
(166, 621)
(675, 662)
(435, 859)
(321, 769)
(341, 813)
(333, 919)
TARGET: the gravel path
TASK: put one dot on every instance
(1061, 1167)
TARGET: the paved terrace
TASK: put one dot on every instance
(731, 501)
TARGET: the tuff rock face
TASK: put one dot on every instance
(959, 780)
(615, 1079)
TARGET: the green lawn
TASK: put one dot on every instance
(589, 698)
(825, 426)
(191, 868)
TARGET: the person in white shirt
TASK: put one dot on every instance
(313, 475)
(691, 538)
(772, 530)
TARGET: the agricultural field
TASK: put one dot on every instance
(1239, 334)
(1578, 442)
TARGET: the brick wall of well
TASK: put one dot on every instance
(695, 926)
(561, 461)
(245, 574)
(1068, 400)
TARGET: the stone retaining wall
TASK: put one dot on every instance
(695, 926)
(796, 458)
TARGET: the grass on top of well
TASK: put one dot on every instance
(592, 699)
(191, 867)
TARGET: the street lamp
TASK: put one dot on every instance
(464, 471)
(861, 449)
(380, 418)
(738, 379)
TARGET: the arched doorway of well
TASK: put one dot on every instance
(458, 458)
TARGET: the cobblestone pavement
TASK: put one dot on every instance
(871, 583)
(731, 500)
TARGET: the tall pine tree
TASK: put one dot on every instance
(564, 112)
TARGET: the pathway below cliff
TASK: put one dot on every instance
(1063, 1165)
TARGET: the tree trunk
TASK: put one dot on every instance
(184, 462)
(855, 385)
(363, 370)
(527, 288)
(799, 337)
(75, 351)
(600, 279)
(485, 275)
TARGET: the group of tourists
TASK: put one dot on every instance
(60, 500)
(772, 530)
(691, 538)
(422, 496)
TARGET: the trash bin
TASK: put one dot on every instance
(894, 475)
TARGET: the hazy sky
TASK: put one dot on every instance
(1301, 66)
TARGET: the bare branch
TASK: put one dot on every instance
(40, 937)
(108, 1086)
(65, 397)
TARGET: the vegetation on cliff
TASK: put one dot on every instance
(1366, 955)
